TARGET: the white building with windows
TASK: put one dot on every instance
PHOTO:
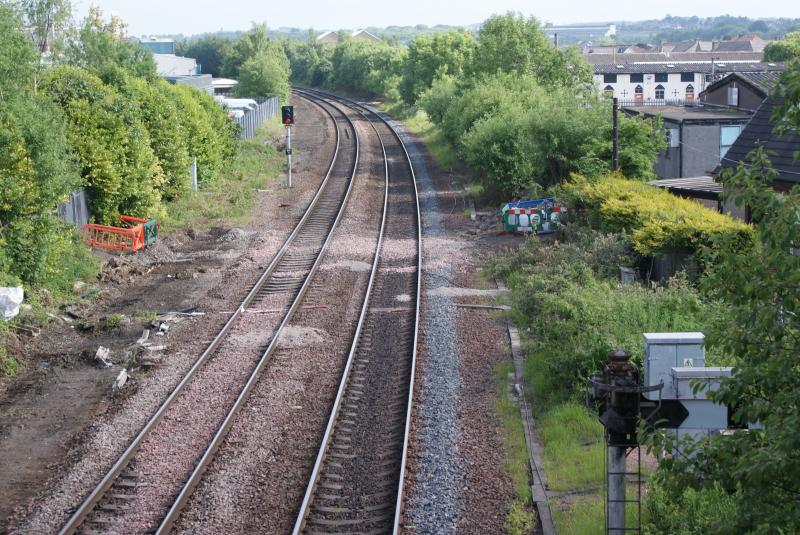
(649, 83)
(643, 78)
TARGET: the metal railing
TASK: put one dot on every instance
(251, 120)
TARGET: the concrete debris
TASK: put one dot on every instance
(142, 339)
(234, 234)
(102, 356)
(121, 379)
(163, 329)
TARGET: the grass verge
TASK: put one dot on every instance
(230, 200)
(520, 517)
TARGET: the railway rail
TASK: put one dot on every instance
(124, 500)
(356, 484)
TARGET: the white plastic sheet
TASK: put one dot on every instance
(10, 300)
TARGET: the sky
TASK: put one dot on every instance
(154, 17)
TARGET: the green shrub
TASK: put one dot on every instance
(657, 220)
(692, 512)
(516, 132)
(576, 314)
(8, 364)
(210, 134)
(168, 137)
(118, 165)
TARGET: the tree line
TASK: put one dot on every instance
(89, 111)
(520, 112)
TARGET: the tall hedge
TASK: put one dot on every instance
(657, 220)
(112, 143)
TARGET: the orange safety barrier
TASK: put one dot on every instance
(136, 233)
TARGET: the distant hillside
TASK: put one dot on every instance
(712, 28)
(646, 31)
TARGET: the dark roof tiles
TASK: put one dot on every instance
(759, 132)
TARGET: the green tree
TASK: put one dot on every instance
(168, 138)
(785, 49)
(36, 165)
(47, 21)
(248, 46)
(431, 57)
(264, 74)
(18, 57)
(210, 52)
(366, 68)
(511, 43)
(117, 164)
(210, 134)
(103, 49)
(758, 469)
(309, 60)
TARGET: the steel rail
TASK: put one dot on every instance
(313, 480)
(89, 503)
(197, 474)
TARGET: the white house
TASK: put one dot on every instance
(651, 82)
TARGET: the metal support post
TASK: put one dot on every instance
(193, 174)
(289, 153)
(616, 490)
(615, 135)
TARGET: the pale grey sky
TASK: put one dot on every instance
(147, 17)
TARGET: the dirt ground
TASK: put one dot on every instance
(482, 342)
(61, 393)
(56, 402)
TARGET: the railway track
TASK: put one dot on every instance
(356, 485)
(148, 485)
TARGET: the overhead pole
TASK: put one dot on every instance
(615, 134)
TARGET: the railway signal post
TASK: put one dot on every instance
(287, 118)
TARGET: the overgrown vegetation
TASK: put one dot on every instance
(656, 220)
(96, 115)
(520, 518)
(521, 113)
(230, 199)
(746, 302)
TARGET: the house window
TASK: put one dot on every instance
(727, 136)
(659, 92)
(733, 95)
(690, 92)
(609, 78)
(687, 77)
(674, 137)
(637, 78)
(662, 77)
(609, 91)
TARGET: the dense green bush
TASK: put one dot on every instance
(517, 133)
(657, 220)
(366, 68)
(168, 136)
(431, 57)
(691, 512)
(119, 168)
(310, 61)
(512, 43)
(102, 47)
(568, 296)
(210, 134)
(264, 74)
